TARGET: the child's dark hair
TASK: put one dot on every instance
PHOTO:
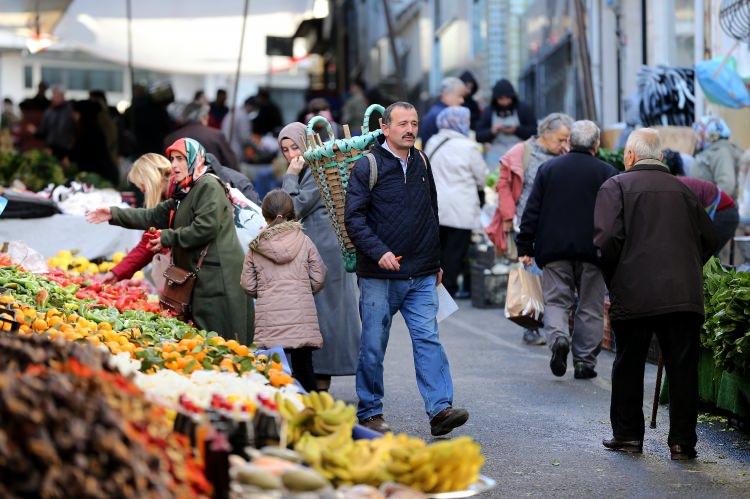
(277, 207)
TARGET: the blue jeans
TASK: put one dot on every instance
(417, 301)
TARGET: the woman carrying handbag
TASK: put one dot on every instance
(197, 224)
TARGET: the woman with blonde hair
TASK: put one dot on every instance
(151, 174)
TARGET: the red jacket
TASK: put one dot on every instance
(139, 257)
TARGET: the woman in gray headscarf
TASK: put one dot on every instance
(336, 304)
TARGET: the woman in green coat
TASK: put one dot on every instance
(198, 215)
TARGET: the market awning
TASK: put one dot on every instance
(24, 21)
(182, 36)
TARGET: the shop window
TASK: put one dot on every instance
(109, 80)
(28, 80)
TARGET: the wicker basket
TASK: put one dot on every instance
(331, 163)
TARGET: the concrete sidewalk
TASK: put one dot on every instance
(541, 434)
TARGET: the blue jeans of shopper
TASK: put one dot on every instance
(417, 301)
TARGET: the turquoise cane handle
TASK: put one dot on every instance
(366, 117)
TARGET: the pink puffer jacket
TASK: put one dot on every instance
(283, 270)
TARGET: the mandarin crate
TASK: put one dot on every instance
(331, 163)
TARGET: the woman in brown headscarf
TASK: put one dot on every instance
(336, 304)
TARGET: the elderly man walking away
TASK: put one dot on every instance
(518, 169)
(653, 237)
(394, 225)
(558, 232)
(452, 93)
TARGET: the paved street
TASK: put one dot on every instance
(542, 435)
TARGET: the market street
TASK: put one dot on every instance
(542, 435)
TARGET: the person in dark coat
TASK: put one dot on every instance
(394, 226)
(196, 127)
(148, 121)
(653, 237)
(90, 148)
(719, 205)
(235, 179)
(58, 128)
(452, 93)
(505, 122)
(557, 230)
(218, 110)
(469, 101)
(268, 120)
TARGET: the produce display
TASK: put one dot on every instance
(726, 331)
(103, 395)
(37, 169)
(40, 305)
(73, 264)
(73, 428)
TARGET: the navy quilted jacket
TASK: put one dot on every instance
(398, 215)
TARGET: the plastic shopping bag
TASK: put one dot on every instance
(248, 218)
(159, 265)
(524, 303)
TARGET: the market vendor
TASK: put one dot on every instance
(197, 216)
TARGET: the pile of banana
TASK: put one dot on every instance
(320, 416)
(444, 466)
(321, 432)
(345, 461)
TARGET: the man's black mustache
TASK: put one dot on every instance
(407, 135)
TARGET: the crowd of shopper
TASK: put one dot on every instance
(588, 230)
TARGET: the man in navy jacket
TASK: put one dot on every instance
(557, 230)
(394, 227)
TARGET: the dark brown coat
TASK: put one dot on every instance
(653, 238)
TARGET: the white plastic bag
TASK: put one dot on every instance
(524, 302)
(159, 264)
(248, 218)
(31, 260)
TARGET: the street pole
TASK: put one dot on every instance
(233, 111)
(394, 52)
(131, 71)
(584, 62)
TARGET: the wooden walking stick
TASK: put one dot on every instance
(657, 390)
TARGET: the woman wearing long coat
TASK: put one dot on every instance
(199, 215)
(336, 304)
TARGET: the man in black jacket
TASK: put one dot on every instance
(557, 230)
(653, 237)
(394, 226)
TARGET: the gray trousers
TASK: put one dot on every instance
(560, 282)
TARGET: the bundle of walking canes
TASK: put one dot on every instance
(331, 163)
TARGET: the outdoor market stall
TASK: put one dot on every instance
(121, 398)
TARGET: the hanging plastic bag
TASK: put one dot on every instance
(721, 83)
(524, 303)
(21, 254)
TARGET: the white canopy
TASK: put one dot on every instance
(181, 36)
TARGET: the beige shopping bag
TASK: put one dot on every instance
(524, 302)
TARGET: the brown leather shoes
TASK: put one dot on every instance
(629, 446)
(376, 423)
(447, 420)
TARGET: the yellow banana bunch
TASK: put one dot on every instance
(444, 466)
(321, 415)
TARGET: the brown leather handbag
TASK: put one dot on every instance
(178, 287)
